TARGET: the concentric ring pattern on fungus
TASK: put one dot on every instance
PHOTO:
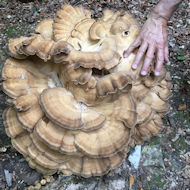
(77, 105)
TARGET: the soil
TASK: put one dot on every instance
(19, 18)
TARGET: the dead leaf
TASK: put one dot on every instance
(182, 107)
(140, 188)
(187, 171)
(131, 180)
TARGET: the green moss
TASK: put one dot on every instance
(187, 118)
(179, 51)
(187, 122)
(11, 31)
(181, 58)
(183, 117)
(16, 31)
(131, 149)
(155, 140)
(181, 6)
(3, 56)
(180, 144)
(156, 181)
(3, 53)
(179, 115)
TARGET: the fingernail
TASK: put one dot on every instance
(157, 73)
(134, 66)
(143, 72)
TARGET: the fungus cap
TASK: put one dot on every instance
(78, 104)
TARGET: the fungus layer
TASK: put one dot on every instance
(77, 105)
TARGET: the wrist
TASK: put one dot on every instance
(164, 9)
(156, 16)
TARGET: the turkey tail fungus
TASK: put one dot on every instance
(77, 105)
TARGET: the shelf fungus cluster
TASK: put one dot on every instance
(77, 105)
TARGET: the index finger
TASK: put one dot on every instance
(131, 48)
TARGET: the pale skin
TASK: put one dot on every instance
(152, 40)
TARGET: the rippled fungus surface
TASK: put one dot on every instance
(77, 105)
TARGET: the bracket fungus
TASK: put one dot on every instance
(77, 105)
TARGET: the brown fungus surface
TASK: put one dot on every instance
(77, 105)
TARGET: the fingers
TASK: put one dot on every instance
(131, 48)
(140, 53)
(166, 53)
(162, 54)
(148, 59)
(159, 62)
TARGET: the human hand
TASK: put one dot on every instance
(151, 40)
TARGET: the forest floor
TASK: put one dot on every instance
(170, 169)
